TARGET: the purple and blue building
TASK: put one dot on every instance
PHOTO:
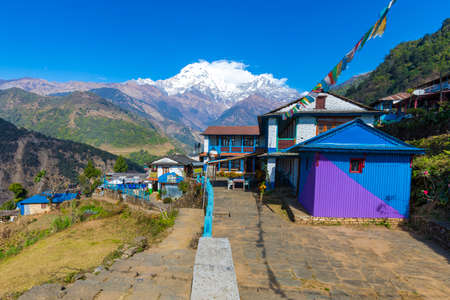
(355, 171)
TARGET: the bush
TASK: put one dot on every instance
(167, 200)
(183, 186)
(61, 223)
(156, 225)
(8, 205)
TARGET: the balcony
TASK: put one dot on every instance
(284, 143)
(232, 149)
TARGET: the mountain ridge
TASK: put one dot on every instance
(23, 153)
(79, 116)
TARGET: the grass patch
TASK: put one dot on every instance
(78, 238)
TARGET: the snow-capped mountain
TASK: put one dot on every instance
(223, 81)
(201, 94)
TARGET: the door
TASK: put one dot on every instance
(298, 176)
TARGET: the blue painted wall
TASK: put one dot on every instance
(386, 176)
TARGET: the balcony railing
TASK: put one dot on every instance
(285, 143)
(233, 149)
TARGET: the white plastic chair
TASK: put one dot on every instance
(230, 184)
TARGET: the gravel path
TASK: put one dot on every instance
(277, 259)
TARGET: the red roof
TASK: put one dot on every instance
(231, 130)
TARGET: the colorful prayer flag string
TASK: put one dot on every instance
(332, 76)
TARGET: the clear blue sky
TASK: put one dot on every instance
(120, 40)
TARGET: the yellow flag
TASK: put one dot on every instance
(381, 28)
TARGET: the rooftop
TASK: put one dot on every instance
(231, 130)
(398, 96)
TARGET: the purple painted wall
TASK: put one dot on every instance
(329, 190)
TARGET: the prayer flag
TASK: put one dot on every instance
(365, 38)
(309, 98)
(381, 28)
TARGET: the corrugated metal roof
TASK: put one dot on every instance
(231, 130)
(173, 160)
(398, 96)
(354, 136)
(42, 198)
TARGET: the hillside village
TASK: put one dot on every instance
(155, 190)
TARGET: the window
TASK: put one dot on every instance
(43, 205)
(324, 124)
(213, 140)
(356, 165)
(236, 141)
(320, 102)
(288, 132)
(227, 140)
(248, 141)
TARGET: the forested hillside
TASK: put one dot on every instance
(81, 117)
(407, 65)
(24, 153)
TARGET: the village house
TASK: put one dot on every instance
(326, 112)
(428, 96)
(354, 171)
(40, 203)
(176, 166)
(388, 106)
(233, 148)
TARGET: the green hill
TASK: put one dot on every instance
(409, 64)
(81, 117)
(23, 153)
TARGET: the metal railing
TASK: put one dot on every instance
(139, 193)
(208, 189)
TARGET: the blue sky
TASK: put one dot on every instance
(120, 40)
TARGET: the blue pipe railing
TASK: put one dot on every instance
(207, 225)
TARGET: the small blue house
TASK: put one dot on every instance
(355, 171)
(169, 184)
(39, 203)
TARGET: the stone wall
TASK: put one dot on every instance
(391, 222)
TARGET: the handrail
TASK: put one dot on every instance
(207, 226)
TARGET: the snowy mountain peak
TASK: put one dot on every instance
(224, 81)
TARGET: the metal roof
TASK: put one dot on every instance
(231, 130)
(398, 96)
(355, 136)
(175, 160)
(42, 198)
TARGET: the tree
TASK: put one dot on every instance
(121, 165)
(90, 171)
(19, 192)
(89, 179)
(39, 176)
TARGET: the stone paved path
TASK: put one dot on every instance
(277, 259)
(162, 272)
